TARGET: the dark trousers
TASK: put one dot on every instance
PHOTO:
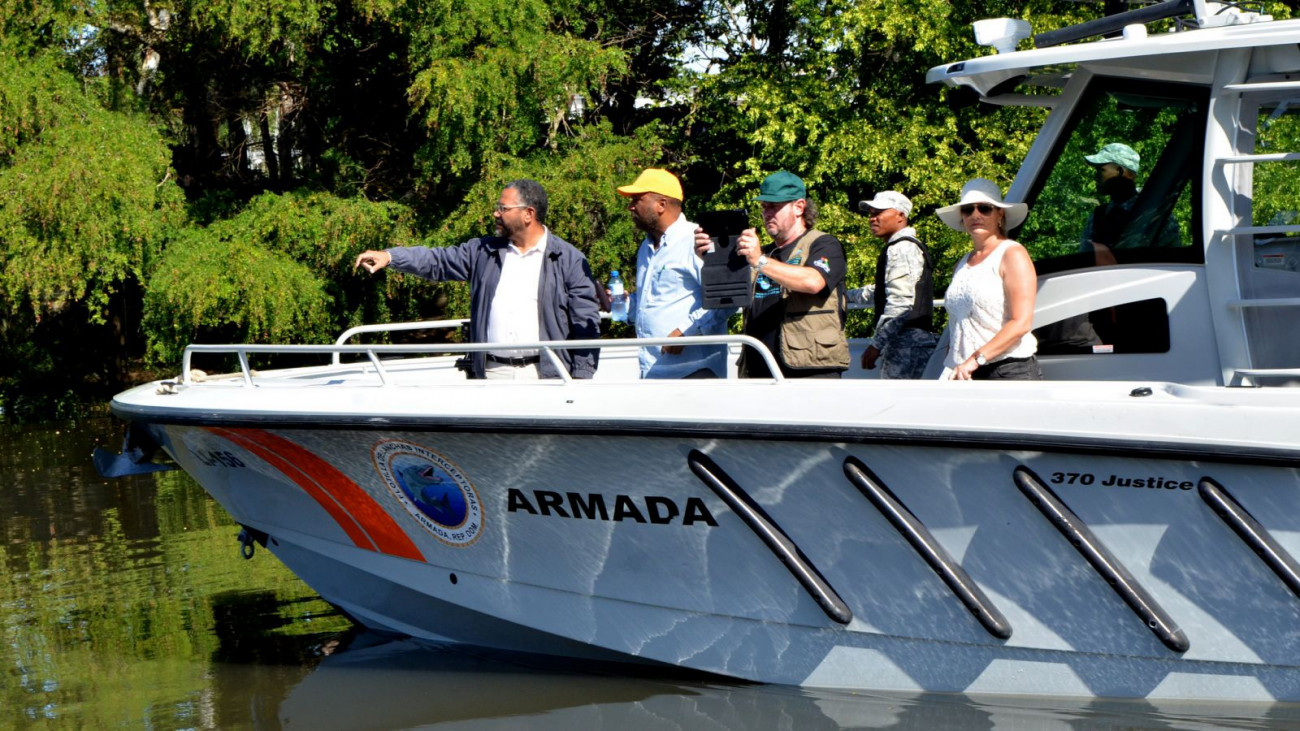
(1009, 369)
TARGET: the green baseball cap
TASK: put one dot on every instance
(1118, 153)
(781, 187)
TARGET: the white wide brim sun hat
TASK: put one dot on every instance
(982, 190)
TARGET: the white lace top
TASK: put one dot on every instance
(977, 307)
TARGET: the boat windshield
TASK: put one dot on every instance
(1120, 186)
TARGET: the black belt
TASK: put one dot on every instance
(516, 362)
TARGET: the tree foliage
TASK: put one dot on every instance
(36, 94)
(175, 170)
(495, 77)
(279, 270)
(82, 211)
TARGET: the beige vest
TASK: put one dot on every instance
(812, 335)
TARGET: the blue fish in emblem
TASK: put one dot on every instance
(433, 492)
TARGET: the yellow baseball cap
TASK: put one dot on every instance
(654, 180)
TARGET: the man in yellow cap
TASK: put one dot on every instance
(669, 296)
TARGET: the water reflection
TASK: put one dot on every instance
(377, 682)
(117, 597)
(126, 603)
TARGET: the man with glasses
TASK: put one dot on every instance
(798, 306)
(526, 285)
(902, 293)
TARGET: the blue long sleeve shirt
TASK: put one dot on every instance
(670, 296)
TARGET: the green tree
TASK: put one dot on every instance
(279, 270)
(86, 202)
(585, 209)
(175, 170)
(834, 91)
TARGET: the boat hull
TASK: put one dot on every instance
(623, 546)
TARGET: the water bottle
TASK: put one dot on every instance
(617, 298)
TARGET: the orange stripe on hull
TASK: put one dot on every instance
(366, 523)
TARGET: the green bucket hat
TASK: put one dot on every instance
(781, 187)
(1118, 153)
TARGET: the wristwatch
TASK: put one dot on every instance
(980, 359)
(762, 262)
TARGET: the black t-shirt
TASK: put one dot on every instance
(763, 320)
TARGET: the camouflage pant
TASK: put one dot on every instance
(907, 355)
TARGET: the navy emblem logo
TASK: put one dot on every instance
(432, 489)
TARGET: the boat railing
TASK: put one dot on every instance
(384, 327)
(457, 324)
(1252, 376)
(373, 353)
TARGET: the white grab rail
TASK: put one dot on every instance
(436, 324)
(395, 327)
(546, 347)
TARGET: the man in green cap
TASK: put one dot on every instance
(1111, 224)
(798, 280)
(1117, 223)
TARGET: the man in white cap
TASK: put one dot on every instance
(669, 297)
(902, 294)
(1111, 224)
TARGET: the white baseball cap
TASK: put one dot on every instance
(887, 199)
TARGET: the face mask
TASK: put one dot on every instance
(1118, 187)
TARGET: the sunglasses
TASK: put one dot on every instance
(984, 208)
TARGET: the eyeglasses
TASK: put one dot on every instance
(984, 208)
(501, 209)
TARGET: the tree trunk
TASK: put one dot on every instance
(268, 149)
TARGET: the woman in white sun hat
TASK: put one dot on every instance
(990, 302)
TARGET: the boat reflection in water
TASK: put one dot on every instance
(1126, 528)
(373, 681)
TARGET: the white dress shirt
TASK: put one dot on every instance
(513, 317)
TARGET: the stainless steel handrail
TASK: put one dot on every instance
(1263, 157)
(1239, 304)
(1249, 86)
(395, 327)
(435, 324)
(546, 347)
(1251, 230)
(1241, 375)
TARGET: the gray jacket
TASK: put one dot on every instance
(566, 298)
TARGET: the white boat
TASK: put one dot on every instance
(1125, 528)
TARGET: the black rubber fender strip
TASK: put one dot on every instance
(925, 544)
(722, 484)
(1251, 532)
(1102, 560)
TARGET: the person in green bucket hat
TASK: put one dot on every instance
(798, 285)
